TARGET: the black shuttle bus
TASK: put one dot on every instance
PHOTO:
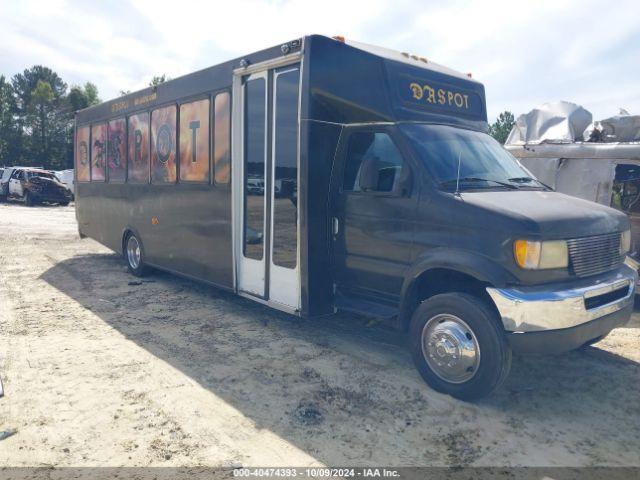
(322, 175)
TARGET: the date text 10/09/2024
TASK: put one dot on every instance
(317, 472)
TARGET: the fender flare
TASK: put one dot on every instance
(469, 263)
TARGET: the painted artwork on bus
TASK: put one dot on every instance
(194, 141)
(138, 140)
(163, 145)
(222, 138)
(82, 154)
(98, 152)
(116, 154)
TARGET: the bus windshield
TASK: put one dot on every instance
(484, 163)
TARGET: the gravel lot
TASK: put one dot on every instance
(101, 369)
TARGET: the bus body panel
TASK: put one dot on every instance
(188, 228)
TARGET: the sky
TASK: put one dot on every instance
(525, 53)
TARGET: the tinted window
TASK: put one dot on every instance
(116, 155)
(254, 158)
(82, 154)
(163, 142)
(481, 158)
(98, 152)
(285, 188)
(138, 139)
(194, 141)
(373, 163)
(221, 138)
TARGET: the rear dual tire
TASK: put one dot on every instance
(458, 346)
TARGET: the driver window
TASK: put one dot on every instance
(373, 163)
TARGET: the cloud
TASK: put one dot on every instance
(525, 53)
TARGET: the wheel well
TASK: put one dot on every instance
(125, 235)
(442, 280)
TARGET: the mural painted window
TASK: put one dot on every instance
(98, 152)
(116, 154)
(82, 154)
(163, 145)
(138, 139)
(194, 141)
(222, 138)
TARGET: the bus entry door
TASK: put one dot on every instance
(265, 183)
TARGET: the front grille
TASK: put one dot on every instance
(593, 255)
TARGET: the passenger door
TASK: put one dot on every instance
(15, 183)
(373, 214)
(265, 184)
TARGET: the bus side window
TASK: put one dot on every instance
(163, 145)
(82, 154)
(98, 152)
(138, 138)
(222, 138)
(116, 154)
(194, 141)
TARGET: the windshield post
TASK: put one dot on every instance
(457, 193)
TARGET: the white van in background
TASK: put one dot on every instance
(66, 177)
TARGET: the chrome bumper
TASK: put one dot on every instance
(557, 306)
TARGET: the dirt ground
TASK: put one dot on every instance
(101, 369)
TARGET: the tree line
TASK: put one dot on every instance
(37, 111)
(36, 118)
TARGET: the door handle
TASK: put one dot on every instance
(336, 226)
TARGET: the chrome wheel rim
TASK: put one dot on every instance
(133, 252)
(450, 348)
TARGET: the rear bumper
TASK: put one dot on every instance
(563, 316)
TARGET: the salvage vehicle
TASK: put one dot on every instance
(394, 202)
(33, 185)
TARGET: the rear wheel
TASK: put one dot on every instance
(458, 346)
(134, 256)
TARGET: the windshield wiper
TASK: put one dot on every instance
(478, 179)
(528, 180)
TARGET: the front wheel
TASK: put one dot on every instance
(134, 256)
(459, 346)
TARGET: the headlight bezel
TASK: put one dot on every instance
(625, 242)
(541, 254)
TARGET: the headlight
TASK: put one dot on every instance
(541, 255)
(625, 242)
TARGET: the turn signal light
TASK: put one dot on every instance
(534, 255)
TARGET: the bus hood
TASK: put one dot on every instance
(550, 215)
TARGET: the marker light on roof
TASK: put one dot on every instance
(414, 57)
(339, 38)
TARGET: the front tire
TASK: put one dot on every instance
(134, 256)
(458, 346)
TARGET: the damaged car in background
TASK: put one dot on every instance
(33, 185)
